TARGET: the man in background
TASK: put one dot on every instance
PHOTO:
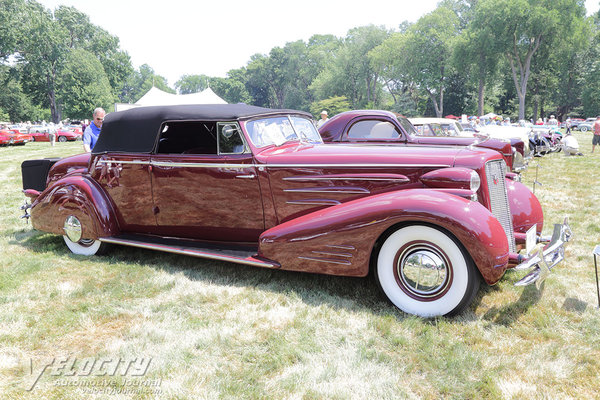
(91, 133)
(596, 139)
(323, 119)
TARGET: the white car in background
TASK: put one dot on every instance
(508, 132)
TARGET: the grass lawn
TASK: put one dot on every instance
(217, 330)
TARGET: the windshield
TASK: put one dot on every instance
(278, 130)
(407, 126)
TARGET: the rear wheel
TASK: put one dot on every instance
(62, 139)
(78, 245)
(425, 272)
(583, 128)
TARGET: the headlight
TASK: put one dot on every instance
(452, 178)
(475, 181)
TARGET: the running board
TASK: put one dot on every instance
(197, 250)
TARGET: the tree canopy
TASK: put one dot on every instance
(521, 58)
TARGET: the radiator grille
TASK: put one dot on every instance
(495, 173)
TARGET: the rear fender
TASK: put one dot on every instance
(81, 197)
(340, 239)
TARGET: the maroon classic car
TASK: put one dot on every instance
(257, 186)
(384, 127)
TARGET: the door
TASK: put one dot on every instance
(205, 184)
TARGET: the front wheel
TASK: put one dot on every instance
(425, 272)
(85, 247)
(583, 129)
(78, 245)
(62, 139)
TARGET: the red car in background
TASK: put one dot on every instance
(62, 135)
(20, 136)
(5, 138)
(16, 138)
(367, 127)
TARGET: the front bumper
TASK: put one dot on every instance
(546, 256)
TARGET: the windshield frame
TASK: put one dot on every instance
(292, 120)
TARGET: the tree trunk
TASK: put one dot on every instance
(524, 71)
(480, 97)
(481, 91)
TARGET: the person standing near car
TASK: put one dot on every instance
(596, 139)
(91, 133)
(323, 119)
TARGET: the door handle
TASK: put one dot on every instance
(251, 176)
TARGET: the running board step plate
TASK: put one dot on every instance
(209, 251)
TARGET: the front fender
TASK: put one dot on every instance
(79, 196)
(524, 206)
(340, 239)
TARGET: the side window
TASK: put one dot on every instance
(230, 138)
(188, 137)
(373, 129)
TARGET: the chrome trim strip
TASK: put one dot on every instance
(354, 165)
(313, 202)
(325, 260)
(188, 252)
(123, 162)
(199, 165)
(332, 191)
(218, 165)
(324, 253)
(325, 178)
(341, 246)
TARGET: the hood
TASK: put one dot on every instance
(356, 155)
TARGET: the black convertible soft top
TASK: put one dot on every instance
(135, 130)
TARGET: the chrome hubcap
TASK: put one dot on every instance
(423, 271)
(72, 229)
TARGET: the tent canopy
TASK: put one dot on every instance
(157, 97)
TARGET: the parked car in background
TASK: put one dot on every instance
(17, 138)
(68, 134)
(26, 138)
(62, 135)
(587, 125)
(257, 186)
(384, 127)
(5, 138)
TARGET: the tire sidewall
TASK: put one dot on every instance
(78, 248)
(462, 275)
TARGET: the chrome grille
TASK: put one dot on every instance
(495, 172)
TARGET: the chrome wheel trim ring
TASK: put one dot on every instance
(73, 229)
(423, 271)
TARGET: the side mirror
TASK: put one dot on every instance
(228, 131)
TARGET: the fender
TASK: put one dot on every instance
(79, 196)
(340, 239)
(524, 206)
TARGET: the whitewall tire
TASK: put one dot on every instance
(425, 272)
(85, 247)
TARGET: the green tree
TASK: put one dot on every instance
(83, 85)
(522, 26)
(427, 46)
(232, 89)
(333, 106)
(192, 84)
(42, 51)
(349, 72)
(140, 82)
(82, 34)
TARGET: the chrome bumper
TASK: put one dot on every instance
(546, 257)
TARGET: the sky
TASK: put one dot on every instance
(179, 37)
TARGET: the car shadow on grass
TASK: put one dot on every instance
(338, 292)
